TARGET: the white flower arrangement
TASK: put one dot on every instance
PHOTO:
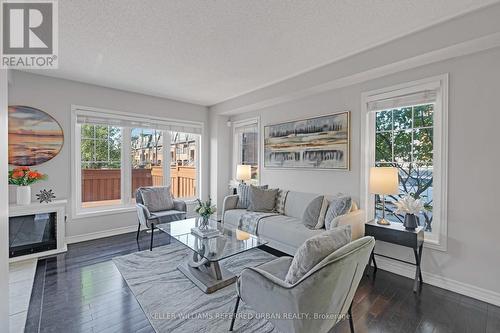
(409, 205)
(205, 209)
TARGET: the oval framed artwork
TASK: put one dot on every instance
(34, 136)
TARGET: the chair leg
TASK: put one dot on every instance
(152, 233)
(234, 313)
(351, 322)
(138, 231)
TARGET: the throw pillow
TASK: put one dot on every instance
(322, 213)
(280, 201)
(243, 192)
(316, 249)
(311, 214)
(340, 205)
(262, 200)
(157, 198)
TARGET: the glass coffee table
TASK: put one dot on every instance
(203, 267)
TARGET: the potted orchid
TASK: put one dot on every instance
(205, 209)
(23, 177)
(411, 207)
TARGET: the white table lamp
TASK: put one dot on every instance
(243, 172)
(383, 181)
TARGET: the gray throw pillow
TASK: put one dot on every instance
(243, 192)
(316, 249)
(157, 198)
(340, 205)
(262, 200)
(311, 214)
(280, 201)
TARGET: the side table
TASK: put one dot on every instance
(395, 233)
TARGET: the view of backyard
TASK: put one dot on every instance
(101, 149)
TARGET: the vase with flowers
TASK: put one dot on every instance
(23, 177)
(411, 207)
(205, 209)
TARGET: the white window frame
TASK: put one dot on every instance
(236, 159)
(127, 203)
(437, 239)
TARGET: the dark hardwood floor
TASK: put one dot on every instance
(82, 291)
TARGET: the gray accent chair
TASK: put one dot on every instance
(327, 289)
(149, 219)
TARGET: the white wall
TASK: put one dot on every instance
(474, 156)
(4, 222)
(55, 96)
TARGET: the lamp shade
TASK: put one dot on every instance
(384, 180)
(243, 172)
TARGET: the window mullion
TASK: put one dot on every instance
(126, 166)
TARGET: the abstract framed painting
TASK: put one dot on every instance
(34, 136)
(315, 143)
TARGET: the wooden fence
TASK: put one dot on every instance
(104, 184)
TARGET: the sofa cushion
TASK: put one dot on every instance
(311, 214)
(339, 205)
(316, 249)
(285, 229)
(297, 202)
(158, 198)
(262, 200)
(280, 201)
(243, 191)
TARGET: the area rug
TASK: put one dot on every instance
(173, 303)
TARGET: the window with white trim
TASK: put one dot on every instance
(407, 129)
(115, 153)
(246, 146)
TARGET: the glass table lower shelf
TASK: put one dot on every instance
(203, 268)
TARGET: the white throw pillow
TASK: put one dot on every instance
(322, 212)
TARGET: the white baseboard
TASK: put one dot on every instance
(440, 281)
(100, 234)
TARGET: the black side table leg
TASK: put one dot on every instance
(372, 259)
(374, 262)
(418, 272)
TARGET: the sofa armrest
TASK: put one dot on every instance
(229, 203)
(357, 221)
(180, 205)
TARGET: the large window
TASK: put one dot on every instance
(100, 150)
(113, 157)
(406, 129)
(404, 139)
(246, 146)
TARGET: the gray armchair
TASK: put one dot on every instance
(149, 216)
(327, 289)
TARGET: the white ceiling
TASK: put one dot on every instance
(207, 51)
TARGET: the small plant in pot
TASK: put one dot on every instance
(23, 177)
(411, 207)
(205, 209)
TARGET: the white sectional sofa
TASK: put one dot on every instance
(287, 232)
